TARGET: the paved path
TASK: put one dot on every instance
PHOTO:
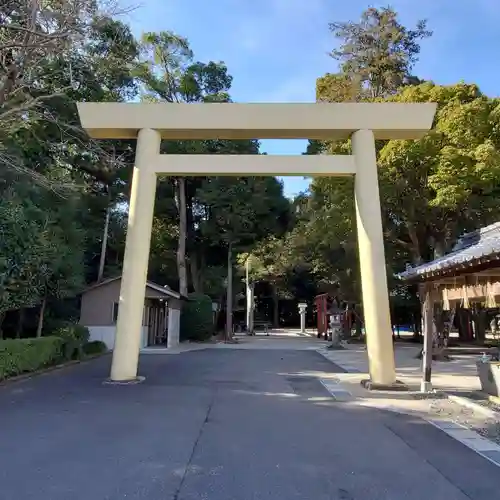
(221, 424)
(458, 374)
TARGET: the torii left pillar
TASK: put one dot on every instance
(135, 261)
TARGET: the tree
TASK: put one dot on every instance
(54, 180)
(239, 212)
(448, 179)
(270, 262)
(169, 74)
(31, 33)
(64, 274)
(432, 189)
(25, 248)
(377, 53)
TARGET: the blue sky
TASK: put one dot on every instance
(275, 49)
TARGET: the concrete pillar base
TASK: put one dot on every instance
(426, 387)
(336, 347)
(397, 386)
(133, 381)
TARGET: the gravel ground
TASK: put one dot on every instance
(487, 427)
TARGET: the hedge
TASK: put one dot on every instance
(28, 355)
(94, 347)
(74, 337)
(197, 318)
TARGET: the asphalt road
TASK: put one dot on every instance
(221, 425)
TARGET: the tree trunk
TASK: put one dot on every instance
(417, 326)
(104, 244)
(8, 83)
(195, 272)
(479, 318)
(2, 317)
(276, 309)
(39, 327)
(20, 321)
(429, 330)
(463, 323)
(346, 325)
(181, 249)
(229, 297)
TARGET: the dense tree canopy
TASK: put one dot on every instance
(63, 196)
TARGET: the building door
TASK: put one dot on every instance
(157, 331)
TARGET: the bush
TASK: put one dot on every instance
(27, 355)
(94, 347)
(74, 337)
(196, 318)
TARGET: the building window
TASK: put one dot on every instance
(115, 312)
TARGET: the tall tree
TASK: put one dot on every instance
(269, 262)
(72, 174)
(376, 55)
(449, 179)
(32, 32)
(377, 52)
(240, 212)
(169, 73)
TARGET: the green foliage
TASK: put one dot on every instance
(28, 355)
(449, 178)
(24, 30)
(197, 318)
(378, 52)
(73, 337)
(42, 248)
(94, 348)
(55, 182)
(432, 189)
(169, 73)
(243, 210)
(25, 250)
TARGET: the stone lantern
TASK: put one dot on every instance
(302, 312)
(335, 326)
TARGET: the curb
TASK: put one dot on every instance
(480, 445)
(468, 403)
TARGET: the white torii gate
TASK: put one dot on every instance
(362, 122)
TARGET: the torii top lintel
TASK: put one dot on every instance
(322, 121)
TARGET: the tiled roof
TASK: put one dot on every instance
(470, 247)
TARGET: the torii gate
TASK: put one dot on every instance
(362, 122)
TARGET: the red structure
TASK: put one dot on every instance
(321, 302)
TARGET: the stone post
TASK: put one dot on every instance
(302, 312)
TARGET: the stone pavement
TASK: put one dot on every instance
(223, 423)
(455, 375)
(474, 427)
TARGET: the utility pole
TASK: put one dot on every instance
(250, 297)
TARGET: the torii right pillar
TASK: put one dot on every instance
(372, 265)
